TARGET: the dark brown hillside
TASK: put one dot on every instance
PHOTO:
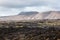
(49, 33)
(34, 30)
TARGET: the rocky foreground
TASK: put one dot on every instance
(37, 30)
(50, 33)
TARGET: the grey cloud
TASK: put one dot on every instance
(25, 3)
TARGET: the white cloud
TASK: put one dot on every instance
(14, 11)
(39, 8)
(9, 11)
(12, 7)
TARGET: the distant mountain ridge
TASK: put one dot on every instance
(28, 13)
(33, 15)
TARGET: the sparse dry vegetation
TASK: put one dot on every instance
(35, 30)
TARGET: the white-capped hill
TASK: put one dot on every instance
(27, 16)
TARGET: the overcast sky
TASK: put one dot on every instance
(13, 7)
